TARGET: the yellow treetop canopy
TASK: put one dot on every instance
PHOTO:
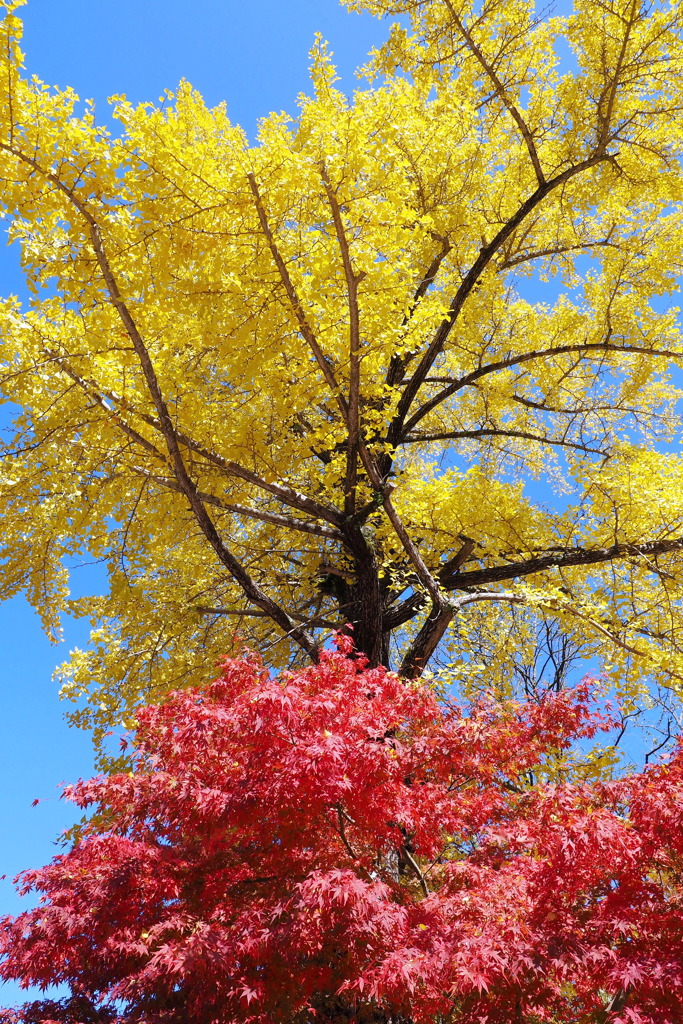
(285, 387)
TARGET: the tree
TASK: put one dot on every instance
(336, 844)
(285, 387)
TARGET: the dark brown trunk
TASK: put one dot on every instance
(363, 604)
(334, 1009)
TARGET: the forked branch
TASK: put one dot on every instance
(225, 556)
(464, 581)
(593, 347)
(486, 255)
(285, 494)
(398, 363)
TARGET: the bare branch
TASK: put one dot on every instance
(506, 597)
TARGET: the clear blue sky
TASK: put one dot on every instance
(254, 56)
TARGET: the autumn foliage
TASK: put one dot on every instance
(283, 384)
(337, 844)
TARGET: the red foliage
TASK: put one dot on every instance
(335, 844)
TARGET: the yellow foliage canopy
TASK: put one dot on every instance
(283, 387)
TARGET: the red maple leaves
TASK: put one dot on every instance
(335, 844)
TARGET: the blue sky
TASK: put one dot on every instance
(254, 56)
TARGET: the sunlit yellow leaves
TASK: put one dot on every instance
(494, 223)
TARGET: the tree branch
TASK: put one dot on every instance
(426, 641)
(458, 435)
(416, 869)
(525, 357)
(559, 250)
(256, 613)
(204, 521)
(341, 814)
(94, 394)
(402, 613)
(454, 564)
(287, 495)
(609, 93)
(616, 1003)
(436, 624)
(423, 573)
(353, 402)
(397, 363)
(562, 559)
(304, 326)
(502, 94)
(486, 254)
(288, 522)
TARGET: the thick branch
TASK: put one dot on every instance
(206, 524)
(402, 613)
(471, 278)
(573, 556)
(454, 564)
(436, 624)
(525, 357)
(426, 641)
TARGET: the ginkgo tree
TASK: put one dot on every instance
(306, 384)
